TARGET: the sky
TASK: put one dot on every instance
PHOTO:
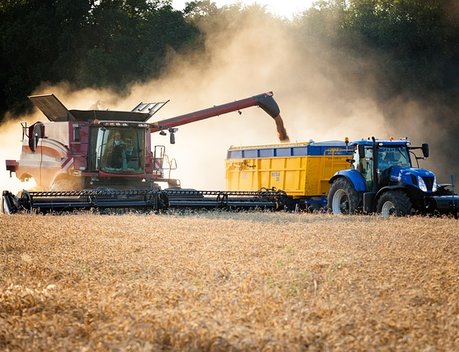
(287, 9)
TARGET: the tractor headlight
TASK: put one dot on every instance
(422, 184)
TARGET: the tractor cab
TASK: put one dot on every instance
(374, 161)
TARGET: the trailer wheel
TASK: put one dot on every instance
(394, 203)
(342, 199)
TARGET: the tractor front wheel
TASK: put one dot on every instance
(342, 199)
(394, 203)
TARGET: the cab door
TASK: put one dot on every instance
(364, 164)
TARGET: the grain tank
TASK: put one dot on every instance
(302, 170)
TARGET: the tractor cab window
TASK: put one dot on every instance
(118, 149)
(393, 156)
(367, 166)
(364, 164)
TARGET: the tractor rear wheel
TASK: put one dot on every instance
(343, 199)
(394, 203)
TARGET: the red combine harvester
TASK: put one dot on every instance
(83, 159)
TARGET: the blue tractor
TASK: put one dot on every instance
(382, 179)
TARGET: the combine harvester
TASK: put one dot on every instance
(381, 178)
(101, 159)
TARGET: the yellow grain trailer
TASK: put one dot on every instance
(302, 170)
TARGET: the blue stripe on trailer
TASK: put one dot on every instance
(311, 149)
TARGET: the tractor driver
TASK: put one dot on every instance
(388, 159)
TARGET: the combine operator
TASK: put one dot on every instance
(118, 152)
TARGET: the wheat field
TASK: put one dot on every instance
(228, 282)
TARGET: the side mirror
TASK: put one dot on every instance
(36, 131)
(425, 150)
(361, 151)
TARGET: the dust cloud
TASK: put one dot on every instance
(254, 54)
(10, 149)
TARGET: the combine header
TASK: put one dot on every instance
(100, 159)
(143, 200)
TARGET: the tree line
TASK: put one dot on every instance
(90, 43)
(112, 43)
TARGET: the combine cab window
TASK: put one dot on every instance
(118, 149)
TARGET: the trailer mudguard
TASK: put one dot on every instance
(354, 177)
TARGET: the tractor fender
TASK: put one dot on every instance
(388, 188)
(354, 177)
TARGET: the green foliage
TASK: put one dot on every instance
(412, 36)
(106, 43)
(416, 41)
(111, 43)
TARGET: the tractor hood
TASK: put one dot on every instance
(422, 179)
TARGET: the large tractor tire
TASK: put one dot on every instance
(342, 198)
(394, 203)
